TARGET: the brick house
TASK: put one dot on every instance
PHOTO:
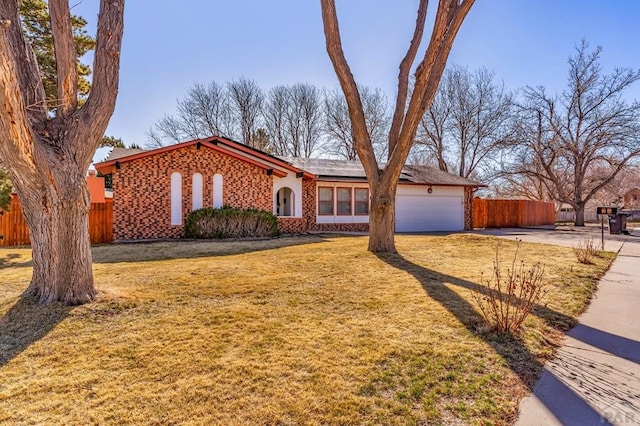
(154, 190)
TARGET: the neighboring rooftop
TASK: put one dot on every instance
(122, 152)
(330, 168)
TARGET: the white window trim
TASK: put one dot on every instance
(176, 199)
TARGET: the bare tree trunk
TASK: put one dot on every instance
(382, 219)
(58, 227)
(579, 215)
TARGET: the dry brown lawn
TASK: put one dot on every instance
(306, 330)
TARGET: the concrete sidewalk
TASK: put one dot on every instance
(595, 378)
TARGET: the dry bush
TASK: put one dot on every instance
(586, 250)
(230, 222)
(509, 296)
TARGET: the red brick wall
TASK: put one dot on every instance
(292, 225)
(142, 189)
(309, 201)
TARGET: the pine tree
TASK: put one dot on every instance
(34, 18)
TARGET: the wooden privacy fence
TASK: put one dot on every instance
(14, 232)
(512, 213)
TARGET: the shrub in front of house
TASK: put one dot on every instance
(230, 222)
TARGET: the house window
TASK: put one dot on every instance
(325, 201)
(196, 192)
(362, 201)
(217, 191)
(344, 201)
(284, 202)
(176, 198)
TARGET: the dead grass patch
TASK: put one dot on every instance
(305, 330)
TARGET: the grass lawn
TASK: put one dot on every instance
(305, 330)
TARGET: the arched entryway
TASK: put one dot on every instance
(285, 202)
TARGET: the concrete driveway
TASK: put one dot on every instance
(567, 236)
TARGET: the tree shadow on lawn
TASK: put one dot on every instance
(25, 323)
(143, 251)
(512, 349)
(11, 259)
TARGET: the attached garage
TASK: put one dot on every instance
(421, 210)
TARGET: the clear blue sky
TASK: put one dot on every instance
(168, 46)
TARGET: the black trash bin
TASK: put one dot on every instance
(618, 224)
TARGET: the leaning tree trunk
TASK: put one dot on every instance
(382, 219)
(57, 214)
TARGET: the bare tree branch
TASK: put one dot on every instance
(65, 53)
(338, 125)
(361, 138)
(403, 75)
(97, 111)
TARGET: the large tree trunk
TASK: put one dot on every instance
(61, 251)
(579, 209)
(382, 219)
(57, 214)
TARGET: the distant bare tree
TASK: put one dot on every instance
(527, 186)
(432, 139)
(338, 128)
(204, 111)
(293, 117)
(579, 141)
(468, 122)
(246, 100)
(305, 119)
(275, 117)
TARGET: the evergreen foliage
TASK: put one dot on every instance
(35, 22)
(5, 188)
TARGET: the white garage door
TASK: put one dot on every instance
(419, 213)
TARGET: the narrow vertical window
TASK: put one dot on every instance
(344, 201)
(217, 190)
(196, 192)
(325, 201)
(362, 201)
(176, 198)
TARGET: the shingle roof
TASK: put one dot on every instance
(329, 168)
(432, 176)
(122, 152)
